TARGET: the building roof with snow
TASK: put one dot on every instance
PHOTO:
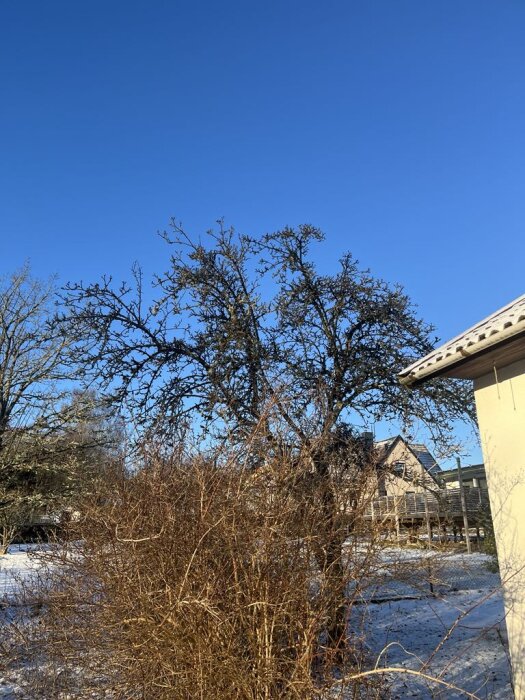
(472, 353)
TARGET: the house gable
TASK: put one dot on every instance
(405, 468)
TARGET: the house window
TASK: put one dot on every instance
(398, 468)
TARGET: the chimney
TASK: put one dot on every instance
(368, 439)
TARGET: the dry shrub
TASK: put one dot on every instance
(192, 580)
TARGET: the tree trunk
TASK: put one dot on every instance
(330, 560)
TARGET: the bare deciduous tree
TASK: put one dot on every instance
(41, 450)
(32, 351)
(242, 324)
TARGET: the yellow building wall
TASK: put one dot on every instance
(500, 403)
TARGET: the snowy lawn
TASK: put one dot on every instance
(453, 629)
(15, 566)
(456, 634)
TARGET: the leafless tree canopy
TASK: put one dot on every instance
(240, 323)
(247, 337)
(49, 436)
(32, 351)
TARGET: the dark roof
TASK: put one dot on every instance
(424, 456)
(473, 471)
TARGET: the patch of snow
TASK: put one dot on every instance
(457, 635)
(16, 566)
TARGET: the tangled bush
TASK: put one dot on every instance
(191, 580)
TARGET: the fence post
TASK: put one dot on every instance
(427, 518)
(463, 506)
(398, 529)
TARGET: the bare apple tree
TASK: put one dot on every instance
(240, 325)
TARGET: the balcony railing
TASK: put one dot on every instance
(442, 504)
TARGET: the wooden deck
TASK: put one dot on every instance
(440, 507)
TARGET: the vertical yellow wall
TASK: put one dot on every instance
(500, 403)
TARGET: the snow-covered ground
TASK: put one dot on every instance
(440, 614)
(455, 632)
(407, 633)
(17, 565)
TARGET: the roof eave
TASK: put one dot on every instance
(465, 363)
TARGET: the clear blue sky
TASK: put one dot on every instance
(396, 127)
